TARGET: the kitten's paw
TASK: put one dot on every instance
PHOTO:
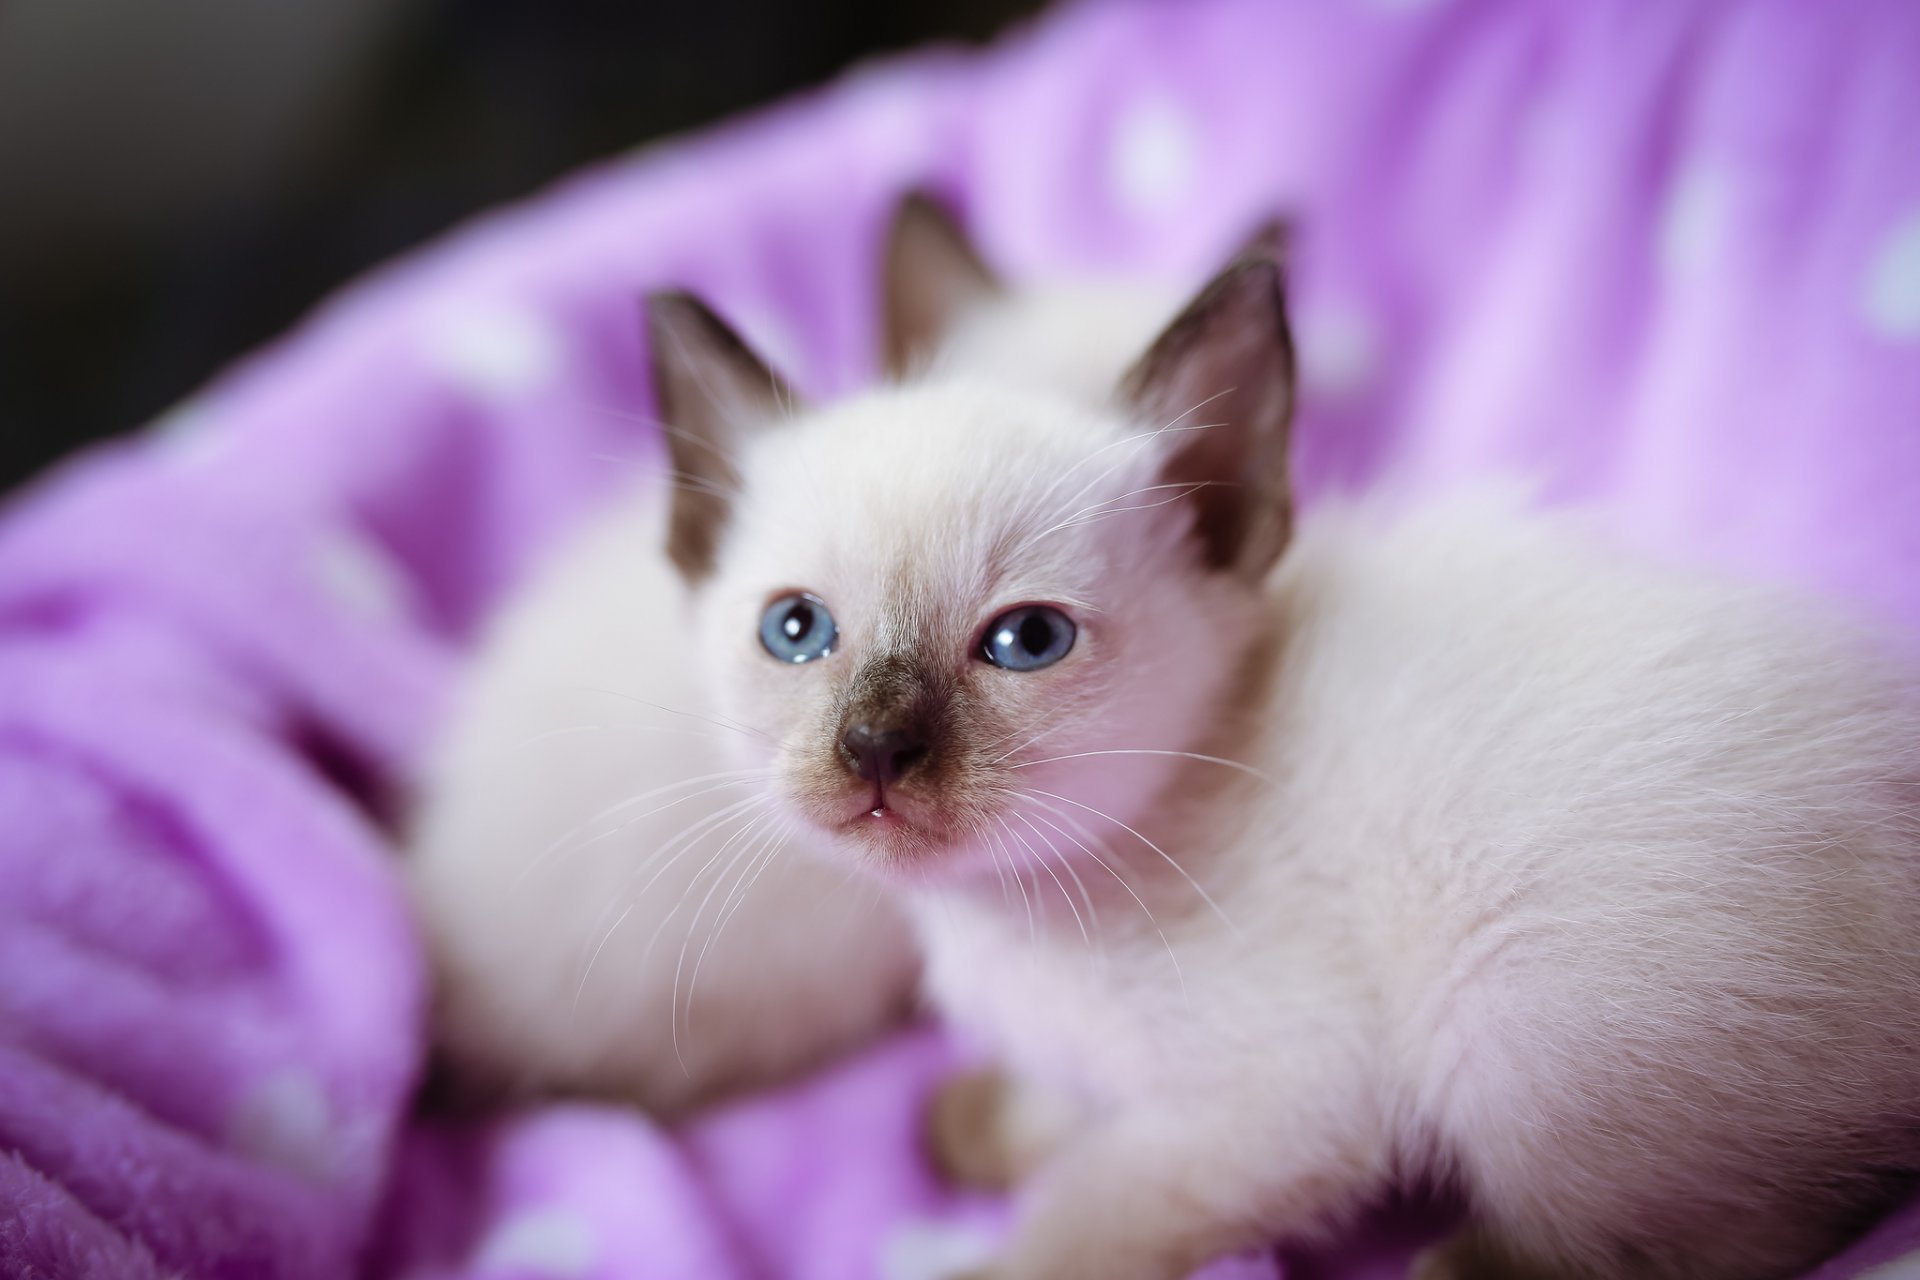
(969, 1138)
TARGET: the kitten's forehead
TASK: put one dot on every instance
(934, 496)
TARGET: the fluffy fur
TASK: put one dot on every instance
(585, 826)
(1421, 841)
(1460, 846)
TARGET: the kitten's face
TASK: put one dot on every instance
(966, 621)
(936, 601)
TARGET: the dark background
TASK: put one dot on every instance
(181, 179)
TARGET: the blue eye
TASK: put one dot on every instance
(798, 628)
(1028, 638)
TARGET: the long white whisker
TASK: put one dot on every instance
(764, 852)
(1121, 880)
(732, 778)
(673, 1020)
(574, 730)
(1247, 769)
(731, 812)
(1140, 441)
(1058, 883)
(1006, 895)
(1066, 864)
(1013, 870)
(1094, 517)
(722, 721)
(1167, 857)
(1005, 756)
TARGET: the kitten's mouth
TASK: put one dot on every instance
(881, 811)
(897, 820)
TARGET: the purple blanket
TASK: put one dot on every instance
(1666, 257)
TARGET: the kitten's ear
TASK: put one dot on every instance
(932, 278)
(1272, 238)
(1220, 383)
(711, 391)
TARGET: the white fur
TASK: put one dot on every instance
(1589, 884)
(1593, 887)
(566, 932)
(1070, 337)
(569, 836)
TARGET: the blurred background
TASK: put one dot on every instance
(181, 179)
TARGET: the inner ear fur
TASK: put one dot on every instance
(1220, 382)
(711, 390)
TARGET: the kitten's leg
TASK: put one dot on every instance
(989, 1130)
(1152, 1196)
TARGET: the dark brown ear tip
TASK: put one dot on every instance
(923, 205)
(671, 307)
(923, 216)
(682, 315)
(1271, 239)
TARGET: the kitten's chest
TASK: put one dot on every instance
(1058, 1009)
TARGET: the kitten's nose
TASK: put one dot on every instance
(881, 755)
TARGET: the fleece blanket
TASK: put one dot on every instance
(1664, 257)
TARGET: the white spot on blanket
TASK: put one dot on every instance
(358, 576)
(1153, 156)
(285, 1120)
(493, 351)
(1695, 221)
(1891, 298)
(1340, 346)
(549, 1242)
(923, 1249)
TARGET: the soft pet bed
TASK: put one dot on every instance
(1665, 257)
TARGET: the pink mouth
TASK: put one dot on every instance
(880, 811)
(877, 809)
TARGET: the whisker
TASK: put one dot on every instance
(573, 730)
(1247, 769)
(764, 852)
(1020, 884)
(1152, 922)
(732, 778)
(1013, 870)
(1006, 893)
(1140, 440)
(673, 1004)
(1137, 438)
(1053, 728)
(1167, 857)
(1095, 515)
(1058, 883)
(1066, 864)
(733, 812)
(722, 721)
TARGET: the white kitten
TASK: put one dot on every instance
(584, 828)
(1430, 842)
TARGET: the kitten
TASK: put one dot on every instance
(1416, 841)
(583, 831)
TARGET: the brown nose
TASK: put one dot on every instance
(881, 754)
